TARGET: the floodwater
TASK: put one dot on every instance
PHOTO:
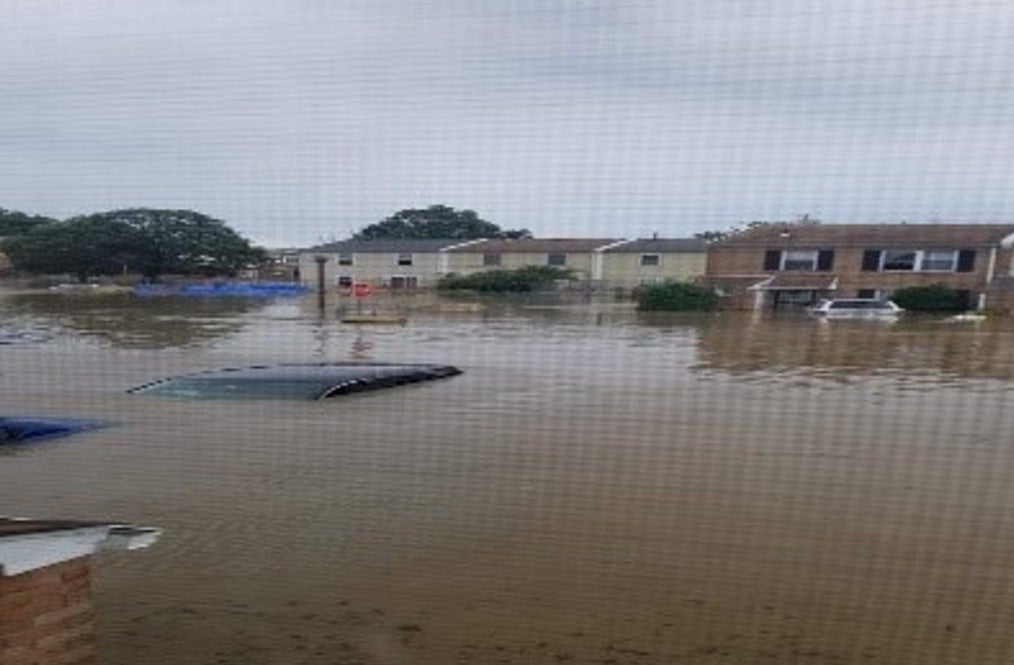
(598, 487)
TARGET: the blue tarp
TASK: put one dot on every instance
(30, 430)
(224, 289)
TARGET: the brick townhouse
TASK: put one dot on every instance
(793, 265)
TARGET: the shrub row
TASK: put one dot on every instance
(933, 298)
(675, 297)
(529, 278)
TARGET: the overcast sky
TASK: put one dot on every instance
(297, 121)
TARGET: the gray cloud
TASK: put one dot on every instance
(299, 120)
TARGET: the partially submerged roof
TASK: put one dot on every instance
(535, 246)
(386, 246)
(658, 246)
(296, 381)
(26, 545)
(871, 236)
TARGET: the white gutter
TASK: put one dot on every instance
(22, 553)
(443, 260)
(598, 260)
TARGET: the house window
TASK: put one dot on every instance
(805, 260)
(556, 259)
(290, 260)
(651, 259)
(944, 260)
(345, 281)
(799, 259)
(404, 282)
(898, 260)
(404, 259)
(490, 259)
(927, 260)
(344, 259)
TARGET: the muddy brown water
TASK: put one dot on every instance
(598, 487)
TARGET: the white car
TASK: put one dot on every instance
(856, 308)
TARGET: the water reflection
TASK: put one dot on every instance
(126, 321)
(361, 348)
(930, 348)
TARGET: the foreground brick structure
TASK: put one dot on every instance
(46, 616)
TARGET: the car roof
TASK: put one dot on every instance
(296, 381)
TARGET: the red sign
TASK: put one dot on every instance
(361, 290)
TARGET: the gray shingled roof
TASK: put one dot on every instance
(537, 246)
(386, 246)
(659, 246)
(871, 235)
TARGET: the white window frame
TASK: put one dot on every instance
(345, 259)
(813, 256)
(549, 259)
(657, 257)
(492, 260)
(921, 258)
(406, 259)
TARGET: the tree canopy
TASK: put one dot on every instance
(436, 221)
(80, 246)
(142, 240)
(14, 223)
(181, 242)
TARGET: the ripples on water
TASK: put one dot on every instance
(599, 486)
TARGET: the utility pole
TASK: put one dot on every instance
(321, 281)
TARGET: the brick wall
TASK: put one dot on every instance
(848, 268)
(46, 616)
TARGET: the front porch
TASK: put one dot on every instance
(795, 291)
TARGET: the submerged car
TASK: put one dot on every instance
(296, 381)
(856, 308)
(18, 430)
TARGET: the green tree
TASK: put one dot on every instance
(151, 242)
(81, 246)
(436, 221)
(13, 223)
(180, 242)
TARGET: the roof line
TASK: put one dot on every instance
(618, 243)
(473, 241)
